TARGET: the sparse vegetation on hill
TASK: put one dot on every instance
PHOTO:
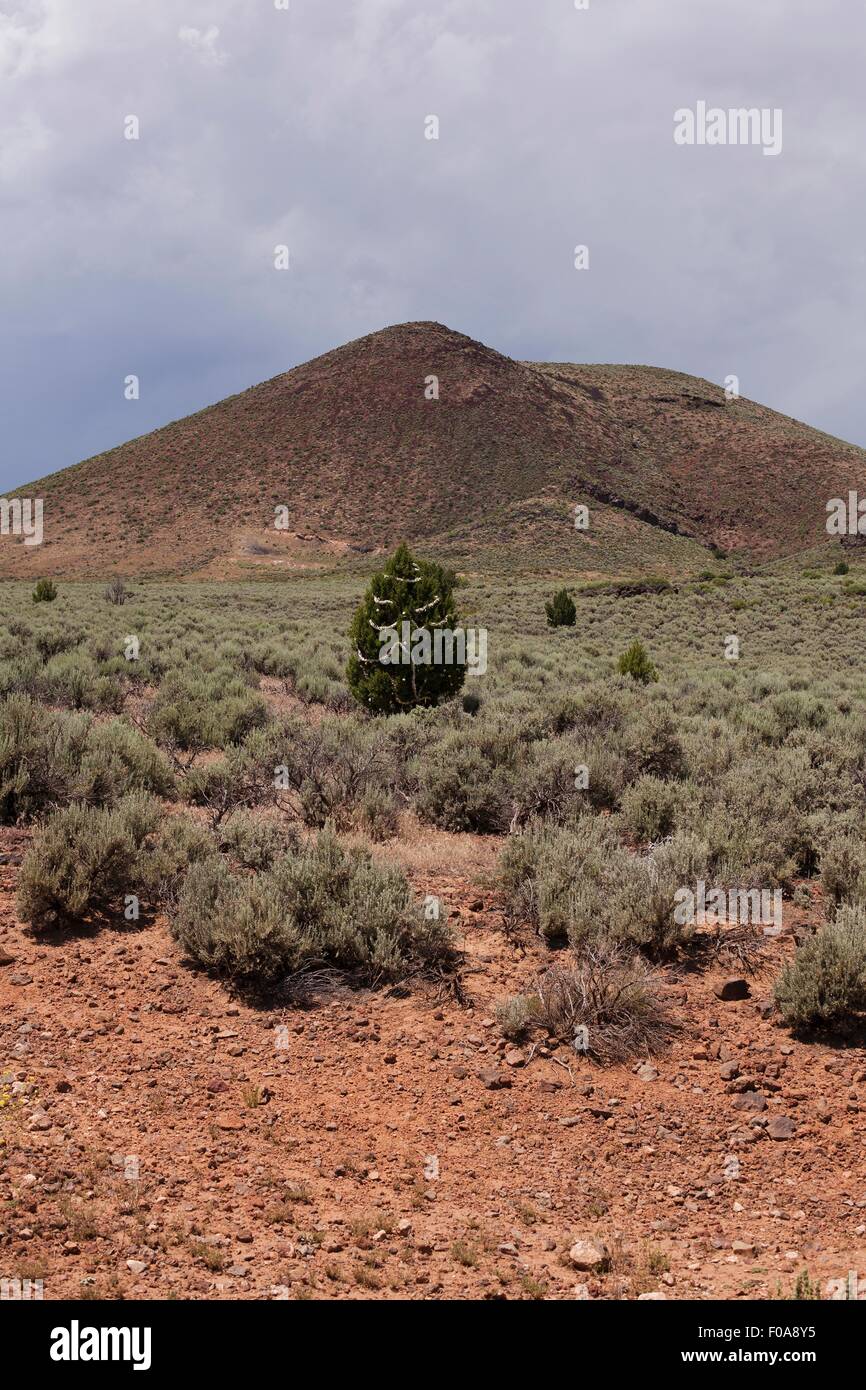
(346, 452)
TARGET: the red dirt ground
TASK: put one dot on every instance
(377, 1163)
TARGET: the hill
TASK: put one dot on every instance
(490, 472)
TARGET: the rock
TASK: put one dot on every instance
(734, 988)
(651, 1297)
(647, 1073)
(742, 1083)
(136, 1266)
(751, 1100)
(600, 1112)
(5, 958)
(514, 1057)
(229, 1122)
(781, 1127)
(729, 1071)
(20, 977)
(39, 1120)
(238, 1271)
(589, 1253)
(493, 1079)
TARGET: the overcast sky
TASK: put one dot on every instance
(261, 126)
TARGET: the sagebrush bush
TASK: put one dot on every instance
(649, 809)
(843, 870)
(85, 861)
(605, 1002)
(826, 981)
(461, 786)
(116, 592)
(318, 905)
(45, 591)
(196, 711)
(253, 841)
(379, 814)
(581, 884)
(49, 759)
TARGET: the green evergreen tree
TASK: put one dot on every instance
(45, 591)
(635, 662)
(561, 611)
(382, 674)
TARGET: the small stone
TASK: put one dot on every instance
(589, 1253)
(647, 1073)
(781, 1127)
(229, 1122)
(750, 1100)
(729, 1071)
(136, 1266)
(494, 1080)
(657, 1297)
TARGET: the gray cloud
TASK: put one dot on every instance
(306, 127)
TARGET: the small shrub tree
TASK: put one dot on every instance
(561, 611)
(826, 981)
(45, 591)
(116, 592)
(635, 662)
(409, 599)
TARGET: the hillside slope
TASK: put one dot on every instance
(352, 447)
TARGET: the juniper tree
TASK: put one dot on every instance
(561, 611)
(406, 650)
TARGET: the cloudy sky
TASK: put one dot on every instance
(305, 126)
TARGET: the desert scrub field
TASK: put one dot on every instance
(228, 706)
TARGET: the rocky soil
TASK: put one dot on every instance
(162, 1139)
